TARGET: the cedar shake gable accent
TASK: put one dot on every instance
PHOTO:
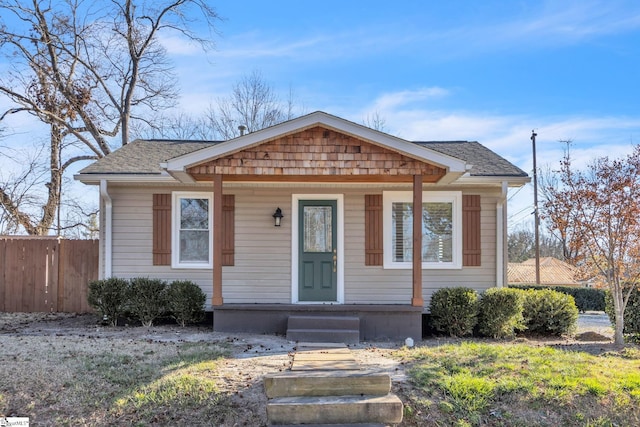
(162, 229)
(317, 152)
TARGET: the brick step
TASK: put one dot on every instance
(323, 383)
(335, 410)
(347, 336)
(323, 322)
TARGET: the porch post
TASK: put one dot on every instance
(216, 300)
(417, 300)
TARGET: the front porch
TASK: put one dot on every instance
(377, 322)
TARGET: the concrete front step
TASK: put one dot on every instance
(335, 410)
(323, 322)
(324, 335)
(324, 329)
(326, 383)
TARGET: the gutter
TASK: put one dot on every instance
(108, 234)
(501, 236)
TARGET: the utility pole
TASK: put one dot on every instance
(535, 207)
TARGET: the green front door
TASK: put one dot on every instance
(317, 238)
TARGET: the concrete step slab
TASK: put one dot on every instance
(314, 353)
(320, 346)
(324, 365)
(323, 383)
(335, 410)
(349, 336)
(323, 322)
(324, 355)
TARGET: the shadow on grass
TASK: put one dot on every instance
(155, 388)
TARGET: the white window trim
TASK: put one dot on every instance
(176, 196)
(455, 197)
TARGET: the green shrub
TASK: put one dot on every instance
(109, 297)
(147, 299)
(587, 299)
(185, 301)
(454, 311)
(549, 312)
(500, 313)
(631, 312)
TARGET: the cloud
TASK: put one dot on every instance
(508, 135)
(179, 46)
(552, 24)
(392, 100)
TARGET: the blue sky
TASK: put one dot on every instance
(490, 71)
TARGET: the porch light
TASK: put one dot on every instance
(277, 216)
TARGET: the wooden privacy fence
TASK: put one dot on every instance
(46, 274)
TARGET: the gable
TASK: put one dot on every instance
(298, 149)
(317, 152)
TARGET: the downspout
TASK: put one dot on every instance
(108, 220)
(501, 235)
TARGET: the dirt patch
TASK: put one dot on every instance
(592, 336)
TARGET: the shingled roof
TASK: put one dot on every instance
(143, 157)
(484, 161)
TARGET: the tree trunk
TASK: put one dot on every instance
(618, 304)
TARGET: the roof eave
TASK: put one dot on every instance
(95, 178)
(451, 164)
(512, 181)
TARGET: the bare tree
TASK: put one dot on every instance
(599, 208)
(88, 72)
(521, 245)
(181, 126)
(253, 103)
(559, 217)
(375, 121)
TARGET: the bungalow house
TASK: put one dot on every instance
(316, 216)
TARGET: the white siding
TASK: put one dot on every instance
(262, 270)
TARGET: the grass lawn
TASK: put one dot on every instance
(114, 382)
(493, 384)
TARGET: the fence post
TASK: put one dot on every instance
(60, 278)
(3, 269)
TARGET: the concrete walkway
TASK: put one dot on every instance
(323, 357)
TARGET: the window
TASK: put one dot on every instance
(441, 229)
(192, 230)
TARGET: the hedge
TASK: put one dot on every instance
(631, 312)
(586, 299)
(146, 300)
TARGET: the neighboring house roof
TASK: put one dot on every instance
(157, 156)
(552, 272)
